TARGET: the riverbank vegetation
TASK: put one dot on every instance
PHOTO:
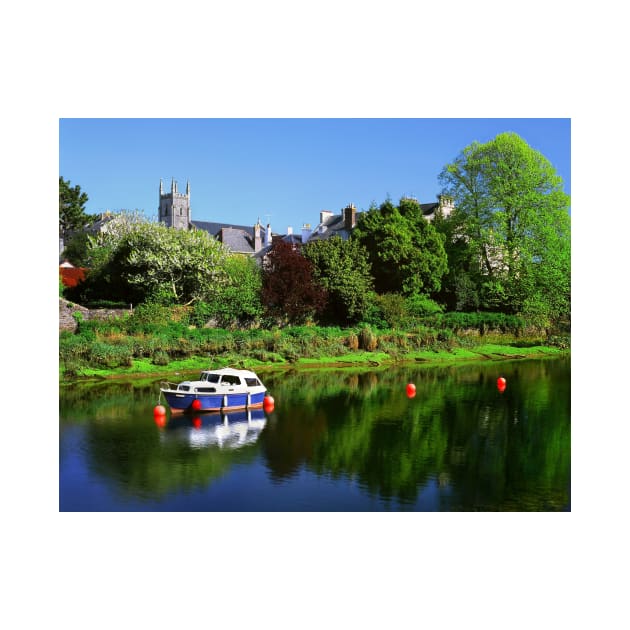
(494, 271)
(155, 339)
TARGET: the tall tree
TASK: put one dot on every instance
(405, 251)
(513, 214)
(72, 215)
(342, 268)
(289, 290)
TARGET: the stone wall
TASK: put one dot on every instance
(67, 309)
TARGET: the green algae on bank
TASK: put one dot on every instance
(361, 359)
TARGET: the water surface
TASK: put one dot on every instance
(336, 441)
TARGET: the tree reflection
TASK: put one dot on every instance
(473, 447)
(483, 449)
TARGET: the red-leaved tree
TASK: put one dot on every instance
(289, 291)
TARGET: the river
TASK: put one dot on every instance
(337, 440)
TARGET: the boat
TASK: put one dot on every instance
(215, 390)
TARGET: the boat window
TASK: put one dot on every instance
(206, 390)
(252, 382)
(231, 379)
(211, 378)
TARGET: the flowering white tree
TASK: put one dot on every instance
(149, 260)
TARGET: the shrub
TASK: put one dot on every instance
(559, 341)
(352, 342)
(422, 306)
(72, 367)
(72, 348)
(367, 339)
(422, 337)
(373, 314)
(160, 358)
(393, 306)
(202, 313)
(483, 322)
(110, 355)
(150, 317)
(447, 337)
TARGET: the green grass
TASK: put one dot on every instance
(483, 352)
(131, 347)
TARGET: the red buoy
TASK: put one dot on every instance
(501, 384)
(268, 403)
(159, 410)
(196, 404)
(411, 390)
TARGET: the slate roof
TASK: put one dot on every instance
(214, 228)
(429, 208)
(334, 226)
(239, 238)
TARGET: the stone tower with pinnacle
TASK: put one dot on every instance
(174, 208)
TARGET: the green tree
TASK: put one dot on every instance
(404, 250)
(76, 249)
(135, 260)
(512, 213)
(72, 215)
(342, 268)
(237, 300)
(461, 285)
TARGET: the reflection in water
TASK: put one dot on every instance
(223, 430)
(337, 440)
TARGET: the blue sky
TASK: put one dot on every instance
(284, 171)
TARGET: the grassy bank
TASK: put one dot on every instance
(142, 367)
(164, 342)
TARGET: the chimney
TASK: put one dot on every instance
(289, 231)
(324, 215)
(257, 240)
(349, 217)
(306, 232)
(268, 236)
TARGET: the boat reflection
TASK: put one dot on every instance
(228, 430)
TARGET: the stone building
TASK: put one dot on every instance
(342, 224)
(174, 210)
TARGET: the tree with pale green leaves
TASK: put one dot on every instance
(512, 226)
(135, 260)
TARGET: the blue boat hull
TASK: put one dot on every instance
(213, 402)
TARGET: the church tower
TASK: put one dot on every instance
(174, 208)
